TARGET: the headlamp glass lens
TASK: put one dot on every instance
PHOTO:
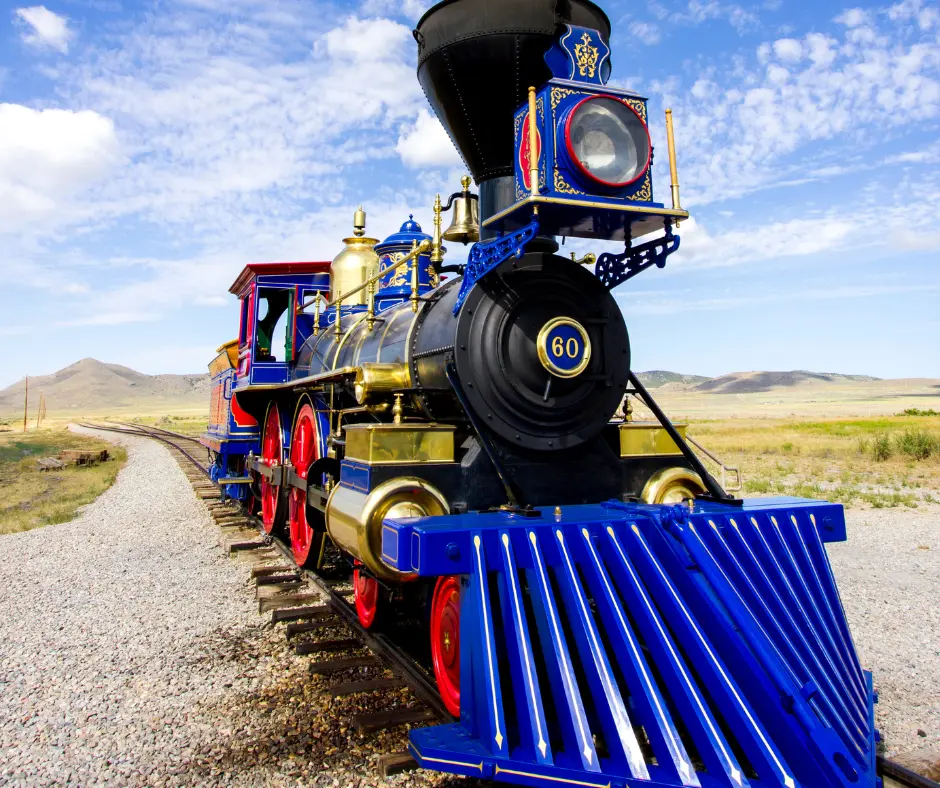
(609, 141)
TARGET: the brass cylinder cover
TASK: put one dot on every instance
(354, 519)
(672, 485)
(374, 378)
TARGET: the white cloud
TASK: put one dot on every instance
(42, 27)
(646, 32)
(818, 102)
(361, 40)
(426, 144)
(852, 17)
(48, 156)
(228, 123)
(739, 18)
(788, 49)
(770, 241)
(671, 302)
(409, 9)
(926, 16)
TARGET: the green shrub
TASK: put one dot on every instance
(787, 447)
(917, 444)
(919, 412)
(881, 448)
(758, 485)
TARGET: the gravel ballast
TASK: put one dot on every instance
(132, 653)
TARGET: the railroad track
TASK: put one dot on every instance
(308, 601)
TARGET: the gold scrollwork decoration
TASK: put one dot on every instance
(561, 185)
(645, 192)
(399, 278)
(638, 106)
(586, 56)
(557, 95)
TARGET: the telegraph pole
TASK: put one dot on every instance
(26, 404)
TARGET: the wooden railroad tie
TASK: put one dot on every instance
(344, 663)
(286, 600)
(311, 626)
(273, 569)
(295, 613)
(318, 646)
(367, 723)
(271, 579)
(392, 763)
(366, 685)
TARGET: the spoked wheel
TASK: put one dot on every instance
(304, 451)
(368, 597)
(272, 453)
(445, 640)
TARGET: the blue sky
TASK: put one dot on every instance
(149, 149)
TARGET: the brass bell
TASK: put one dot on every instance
(465, 226)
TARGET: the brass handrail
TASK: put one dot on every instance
(423, 247)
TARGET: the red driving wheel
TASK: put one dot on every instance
(272, 454)
(366, 596)
(445, 640)
(303, 453)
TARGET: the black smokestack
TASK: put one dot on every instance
(476, 60)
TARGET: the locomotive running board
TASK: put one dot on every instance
(629, 645)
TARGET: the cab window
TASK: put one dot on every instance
(272, 324)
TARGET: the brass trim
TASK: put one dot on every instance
(437, 250)
(678, 483)
(354, 519)
(535, 200)
(380, 378)
(541, 346)
(347, 334)
(533, 144)
(531, 775)
(396, 444)
(328, 375)
(443, 760)
(648, 439)
(671, 143)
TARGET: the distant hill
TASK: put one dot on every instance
(90, 384)
(753, 382)
(658, 377)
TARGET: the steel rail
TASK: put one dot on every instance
(144, 433)
(381, 644)
(192, 438)
(902, 774)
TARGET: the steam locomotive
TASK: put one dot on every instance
(601, 611)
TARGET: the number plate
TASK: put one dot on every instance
(564, 347)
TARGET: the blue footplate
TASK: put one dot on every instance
(622, 644)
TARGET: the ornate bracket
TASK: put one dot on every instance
(485, 256)
(614, 269)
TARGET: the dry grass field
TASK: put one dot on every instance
(865, 444)
(32, 498)
(882, 462)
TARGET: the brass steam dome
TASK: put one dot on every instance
(355, 264)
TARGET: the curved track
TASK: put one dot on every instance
(396, 658)
(328, 584)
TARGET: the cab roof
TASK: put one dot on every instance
(252, 270)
